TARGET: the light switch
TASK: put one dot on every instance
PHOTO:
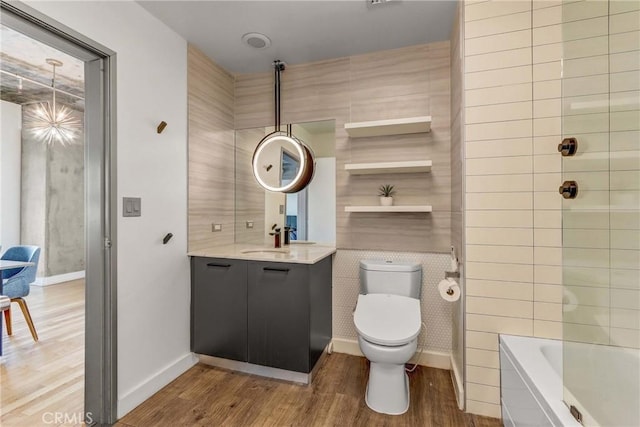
(131, 206)
(249, 224)
(216, 227)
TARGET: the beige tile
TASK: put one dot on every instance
(499, 95)
(483, 358)
(546, 144)
(625, 279)
(483, 408)
(585, 105)
(595, 142)
(547, 89)
(548, 311)
(624, 82)
(499, 306)
(499, 324)
(624, 161)
(546, 181)
(587, 66)
(501, 77)
(583, 29)
(497, 25)
(482, 340)
(547, 329)
(547, 219)
(625, 101)
(548, 237)
(547, 53)
(585, 333)
(499, 130)
(625, 180)
(624, 22)
(480, 375)
(586, 123)
(498, 183)
(578, 257)
(543, 200)
(584, 10)
(622, 258)
(498, 166)
(585, 238)
(547, 71)
(625, 298)
(625, 220)
(586, 276)
(486, 10)
(586, 162)
(500, 271)
(483, 393)
(547, 35)
(625, 61)
(499, 201)
(542, 4)
(548, 274)
(625, 318)
(586, 315)
(547, 16)
(547, 126)
(508, 254)
(547, 108)
(547, 293)
(622, 6)
(503, 290)
(547, 163)
(498, 148)
(548, 256)
(498, 60)
(625, 337)
(589, 85)
(498, 42)
(501, 218)
(625, 120)
(498, 112)
(624, 42)
(499, 236)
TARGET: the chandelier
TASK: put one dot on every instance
(50, 123)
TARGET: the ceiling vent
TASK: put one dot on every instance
(256, 40)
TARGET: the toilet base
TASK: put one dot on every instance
(387, 389)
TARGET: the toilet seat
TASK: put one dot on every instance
(389, 320)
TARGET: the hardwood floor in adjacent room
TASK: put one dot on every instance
(41, 379)
(208, 396)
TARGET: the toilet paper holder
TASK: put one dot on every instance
(452, 274)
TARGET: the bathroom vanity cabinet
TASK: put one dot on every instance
(274, 314)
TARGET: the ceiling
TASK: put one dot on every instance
(27, 57)
(302, 31)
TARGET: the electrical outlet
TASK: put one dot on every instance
(216, 227)
(281, 209)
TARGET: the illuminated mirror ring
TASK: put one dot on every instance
(263, 163)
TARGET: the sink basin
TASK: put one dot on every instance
(265, 251)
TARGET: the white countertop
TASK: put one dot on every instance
(296, 253)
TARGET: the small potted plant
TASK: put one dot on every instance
(386, 195)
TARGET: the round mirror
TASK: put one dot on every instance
(283, 163)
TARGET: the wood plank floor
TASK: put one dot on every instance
(208, 396)
(44, 377)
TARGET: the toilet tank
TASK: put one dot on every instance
(391, 277)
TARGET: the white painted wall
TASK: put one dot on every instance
(322, 215)
(153, 279)
(10, 167)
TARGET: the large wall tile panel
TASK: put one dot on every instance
(211, 152)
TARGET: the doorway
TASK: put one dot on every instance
(96, 389)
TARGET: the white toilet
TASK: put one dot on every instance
(388, 321)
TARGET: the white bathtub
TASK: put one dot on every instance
(532, 383)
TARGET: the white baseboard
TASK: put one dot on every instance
(59, 278)
(456, 378)
(433, 359)
(152, 385)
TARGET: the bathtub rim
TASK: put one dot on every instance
(538, 374)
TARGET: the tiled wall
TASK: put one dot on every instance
(514, 218)
(436, 313)
(407, 82)
(513, 235)
(211, 152)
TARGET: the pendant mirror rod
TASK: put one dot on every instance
(278, 67)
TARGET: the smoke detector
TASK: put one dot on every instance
(256, 40)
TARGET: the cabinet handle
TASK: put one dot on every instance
(213, 264)
(284, 270)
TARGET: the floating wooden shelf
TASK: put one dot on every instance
(389, 127)
(412, 166)
(400, 208)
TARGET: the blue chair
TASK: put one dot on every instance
(16, 281)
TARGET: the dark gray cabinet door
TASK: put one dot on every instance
(219, 307)
(279, 315)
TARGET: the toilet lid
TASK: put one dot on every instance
(387, 319)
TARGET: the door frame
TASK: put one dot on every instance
(100, 397)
